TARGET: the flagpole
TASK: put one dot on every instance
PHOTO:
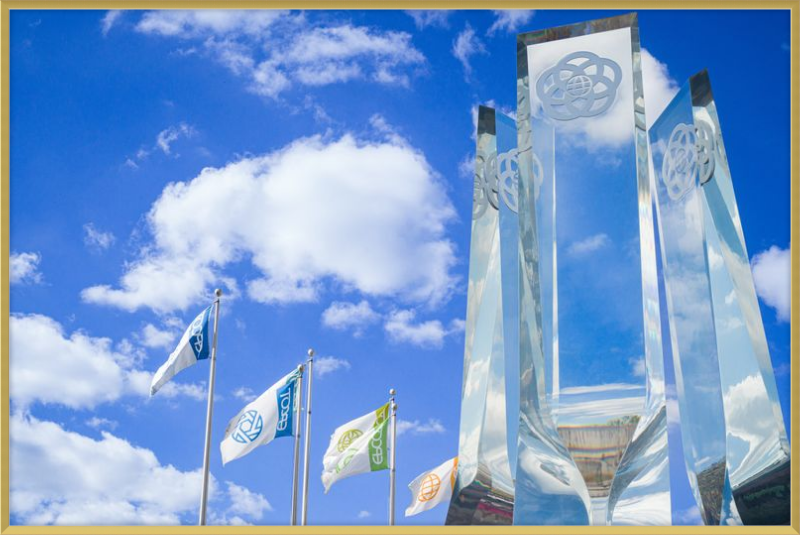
(393, 439)
(310, 368)
(209, 410)
(297, 433)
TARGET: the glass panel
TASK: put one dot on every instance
(583, 152)
(715, 319)
(484, 491)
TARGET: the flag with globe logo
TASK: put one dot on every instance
(432, 488)
(357, 447)
(268, 417)
(195, 345)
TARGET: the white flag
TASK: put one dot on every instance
(432, 488)
(194, 345)
(356, 447)
(269, 417)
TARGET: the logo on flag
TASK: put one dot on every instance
(269, 416)
(429, 488)
(249, 427)
(348, 438)
(433, 487)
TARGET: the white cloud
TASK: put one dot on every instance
(247, 503)
(659, 86)
(400, 327)
(168, 136)
(78, 371)
(424, 18)
(65, 478)
(24, 268)
(283, 211)
(96, 423)
(431, 427)
(245, 394)
(589, 245)
(96, 239)
(274, 49)
(206, 22)
(771, 275)
(466, 45)
(638, 368)
(342, 316)
(510, 20)
(597, 410)
(325, 365)
(109, 20)
(688, 517)
(152, 336)
(364, 514)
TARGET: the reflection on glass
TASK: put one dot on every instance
(596, 337)
(484, 490)
(734, 439)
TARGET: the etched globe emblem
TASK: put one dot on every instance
(248, 427)
(429, 488)
(680, 165)
(347, 438)
(578, 86)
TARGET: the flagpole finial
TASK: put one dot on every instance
(218, 292)
(392, 392)
(310, 353)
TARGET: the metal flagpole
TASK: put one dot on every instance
(297, 433)
(393, 439)
(209, 410)
(310, 368)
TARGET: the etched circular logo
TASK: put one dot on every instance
(347, 438)
(582, 84)
(705, 151)
(248, 427)
(485, 190)
(680, 161)
(508, 178)
(429, 488)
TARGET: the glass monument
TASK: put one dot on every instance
(734, 440)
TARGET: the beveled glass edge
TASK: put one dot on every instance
(628, 20)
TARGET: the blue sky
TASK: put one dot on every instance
(315, 165)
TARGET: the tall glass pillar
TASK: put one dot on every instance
(734, 439)
(484, 489)
(597, 388)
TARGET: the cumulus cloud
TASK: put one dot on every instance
(771, 275)
(77, 371)
(152, 336)
(431, 427)
(284, 213)
(274, 49)
(96, 239)
(24, 268)
(65, 478)
(424, 18)
(327, 365)
(510, 20)
(589, 245)
(401, 327)
(466, 45)
(343, 315)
